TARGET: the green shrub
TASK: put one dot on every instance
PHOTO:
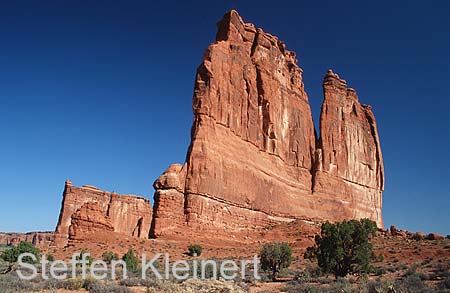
(88, 256)
(299, 288)
(380, 258)
(95, 286)
(411, 283)
(11, 255)
(50, 257)
(131, 261)
(11, 283)
(109, 256)
(379, 287)
(344, 247)
(195, 249)
(378, 271)
(444, 284)
(275, 256)
(73, 284)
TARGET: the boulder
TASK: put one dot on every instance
(435, 236)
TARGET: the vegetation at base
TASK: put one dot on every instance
(344, 247)
(86, 254)
(195, 249)
(11, 256)
(131, 260)
(109, 256)
(274, 257)
(12, 283)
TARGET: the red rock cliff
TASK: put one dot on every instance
(39, 239)
(254, 158)
(88, 209)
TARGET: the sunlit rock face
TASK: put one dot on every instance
(254, 158)
(39, 239)
(349, 164)
(87, 209)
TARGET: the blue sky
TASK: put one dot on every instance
(99, 92)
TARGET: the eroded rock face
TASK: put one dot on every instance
(349, 164)
(89, 219)
(254, 158)
(88, 208)
(168, 204)
(38, 239)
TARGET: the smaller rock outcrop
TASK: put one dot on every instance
(87, 220)
(168, 206)
(89, 209)
(435, 236)
(38, 239)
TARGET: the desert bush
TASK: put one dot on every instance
(379, 287)
(344, 247)
(73, 284)
(411, 283)
(11, 255)
(151, 283)
(195, 249)
(131, 261)
(106, 287)
(109, 256)
(378, 271)
(309, 274)
(293, 287)
(412, 270)
(50, 257)
(10, 283)
(341, 285)
(444, 284)
(85, 253)
(205, 286)
(131, 282)
(275, 257)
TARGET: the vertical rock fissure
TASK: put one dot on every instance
(377, 147)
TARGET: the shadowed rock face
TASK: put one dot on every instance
(254, 158)
(88, 209)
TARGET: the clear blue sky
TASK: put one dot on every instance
(99, 92)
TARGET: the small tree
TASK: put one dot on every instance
(88, 257)
(274, 257)
(131, 261)
(195, 249)
(344, 247)
(11, 256)
(50, 257)
(108, 257)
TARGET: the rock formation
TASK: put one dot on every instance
(88, 209)
(254, 157)
(88, 219)
(39, 239)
